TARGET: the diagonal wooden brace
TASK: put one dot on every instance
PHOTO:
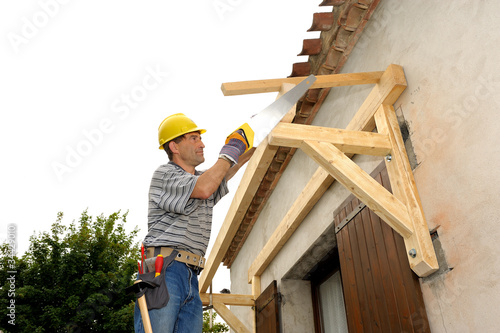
(364, 187)
(230, 318)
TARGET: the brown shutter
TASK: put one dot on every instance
(381, 292)
(267, 310)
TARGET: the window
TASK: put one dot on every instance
(331, 305)
(328, 296)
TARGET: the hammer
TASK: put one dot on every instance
(138, 287)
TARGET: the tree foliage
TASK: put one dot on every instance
(73, 278)
(216, 327)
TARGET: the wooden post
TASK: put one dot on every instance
(256, 291)
(424, 261)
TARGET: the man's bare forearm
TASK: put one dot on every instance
(210, 180)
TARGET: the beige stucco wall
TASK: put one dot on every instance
(450, 53)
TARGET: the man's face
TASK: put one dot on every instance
(191, 149)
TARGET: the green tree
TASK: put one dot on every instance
(216, 327)
(73, 279)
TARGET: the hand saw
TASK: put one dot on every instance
(261, 124)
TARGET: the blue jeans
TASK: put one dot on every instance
(184, 311)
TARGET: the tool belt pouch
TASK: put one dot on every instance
(157, 298)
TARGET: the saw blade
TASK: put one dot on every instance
(262, 123)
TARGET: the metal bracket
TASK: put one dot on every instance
(349, 217)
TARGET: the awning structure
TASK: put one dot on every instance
(374, 130)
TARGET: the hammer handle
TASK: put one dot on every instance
(145, 314)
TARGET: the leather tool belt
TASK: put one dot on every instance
(183, 256)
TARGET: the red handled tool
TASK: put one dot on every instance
(141, 270)
(158, 265)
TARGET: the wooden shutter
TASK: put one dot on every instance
(381, 292)
(267, 310)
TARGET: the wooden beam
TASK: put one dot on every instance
(386, 91)
(230, 318)
(228, 299)
(254, 173)
(322, 81)
(405, 189)
(312, 192)
(364, 187)
(354, 142)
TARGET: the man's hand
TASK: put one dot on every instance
(236, 145)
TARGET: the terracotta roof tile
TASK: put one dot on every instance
(311, 47)
(332, 58)
(306, 109)
(313, 95)
(322, 22)
(352, 17)
(332, 2)
(301, 69)
(342, 40)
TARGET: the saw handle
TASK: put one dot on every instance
(243, 133)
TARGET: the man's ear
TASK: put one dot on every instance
(173, 147)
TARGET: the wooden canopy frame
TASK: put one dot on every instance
(332, 149)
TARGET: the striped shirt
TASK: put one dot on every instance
(174, 219)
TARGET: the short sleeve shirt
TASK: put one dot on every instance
(174, 219)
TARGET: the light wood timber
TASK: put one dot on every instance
(256, 291)
(254, 173)
(391, 85)
(354, 142)
(386, 91)
(228, 299)
(230, 318)
(311, 193)
(322, 81)
(405, 189)
(287, 118)
(361, 184)
(256, 287)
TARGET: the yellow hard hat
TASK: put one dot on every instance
(176, 125)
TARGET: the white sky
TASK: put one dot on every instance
(75, 78)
